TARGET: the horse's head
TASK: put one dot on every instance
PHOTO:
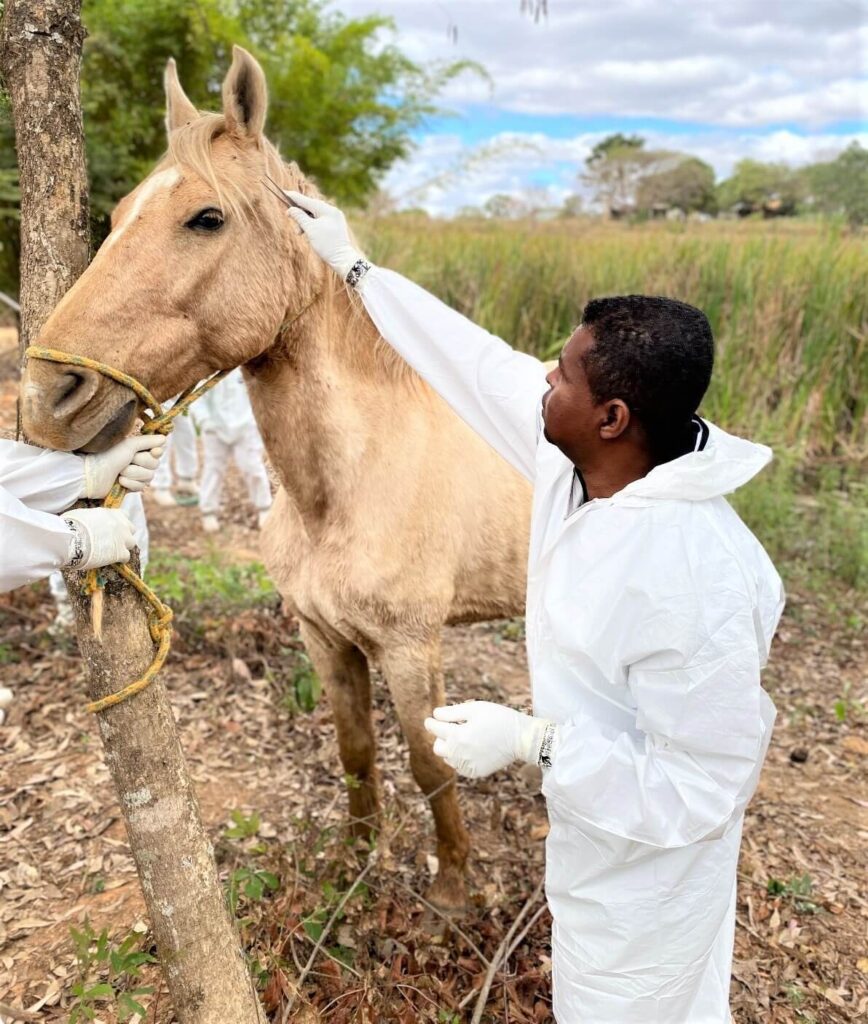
(199, 272)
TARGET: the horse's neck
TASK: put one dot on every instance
(324, 396)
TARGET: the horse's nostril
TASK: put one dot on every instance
(69, 383)
(73, 390)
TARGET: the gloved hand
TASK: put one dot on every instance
(132, 462)
(100, 536)
(478, 738)
(327, 231)
(5, 700)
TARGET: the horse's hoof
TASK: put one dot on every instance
(448, 895)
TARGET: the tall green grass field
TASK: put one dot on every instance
(788, 304)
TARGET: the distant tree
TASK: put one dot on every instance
(504, 207)
(614, 169)
(754, 183)
(841, 186)
(683, 181)
(572, 206)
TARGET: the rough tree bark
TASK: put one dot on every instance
(40, 53)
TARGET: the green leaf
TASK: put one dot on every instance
(127, 1006)
(254, 888)
(101, 991)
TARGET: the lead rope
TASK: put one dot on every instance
(158, 422)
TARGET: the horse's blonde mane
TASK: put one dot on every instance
(192, 146)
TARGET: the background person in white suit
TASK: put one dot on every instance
(650, 614)
(182, 451)
(225, 418)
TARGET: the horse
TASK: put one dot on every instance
(392, 518)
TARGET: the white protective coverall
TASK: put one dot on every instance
(34, 483)
(225, 418)
(180, 447)
(649, 617)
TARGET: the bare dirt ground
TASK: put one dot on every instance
(801, 951)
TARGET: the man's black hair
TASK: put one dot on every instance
(656, 355)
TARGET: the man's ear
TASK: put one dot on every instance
(616, 419)
(245, 95)
(179, 109)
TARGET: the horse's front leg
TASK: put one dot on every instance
(343, 670)
(415, 678)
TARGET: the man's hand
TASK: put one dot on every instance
(132, 462)
(478, 738)
(99, 536)
(327, 232)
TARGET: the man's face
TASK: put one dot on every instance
(571, 418)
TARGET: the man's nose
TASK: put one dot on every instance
(71, 391)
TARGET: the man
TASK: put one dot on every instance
(650, 612)
(39, 537)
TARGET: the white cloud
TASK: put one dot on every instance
(729, 62)
(746, 78)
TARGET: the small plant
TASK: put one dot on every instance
(513, 630)
(795, 995)
(447, 1017)
(845, 706)
(96, 957)
(799, 889)
(306, 688)
(315, 922)
(253, 883)
(243, 827)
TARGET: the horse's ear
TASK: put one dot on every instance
(179, 109)
(245, 95)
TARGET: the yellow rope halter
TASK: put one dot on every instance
(159, 422)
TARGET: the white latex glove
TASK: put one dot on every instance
(478, 738)
(5, 700)
(132, 462)
(105, 536)
(327, 232)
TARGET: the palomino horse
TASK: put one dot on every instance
(393, 517)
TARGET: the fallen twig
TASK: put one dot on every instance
(372, 860)
(432, 907)
(13, 1013)
(503, 953)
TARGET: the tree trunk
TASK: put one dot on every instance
(40, 53)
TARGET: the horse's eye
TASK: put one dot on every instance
(206, 220)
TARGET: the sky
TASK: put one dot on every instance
(776, 80)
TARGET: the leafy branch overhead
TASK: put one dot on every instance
(343, 98)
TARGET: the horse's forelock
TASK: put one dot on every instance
(192, 145)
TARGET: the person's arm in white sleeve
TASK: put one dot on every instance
(34, 543)
(51, 481)
(698, 739)
(41, 479)
(496, 390)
